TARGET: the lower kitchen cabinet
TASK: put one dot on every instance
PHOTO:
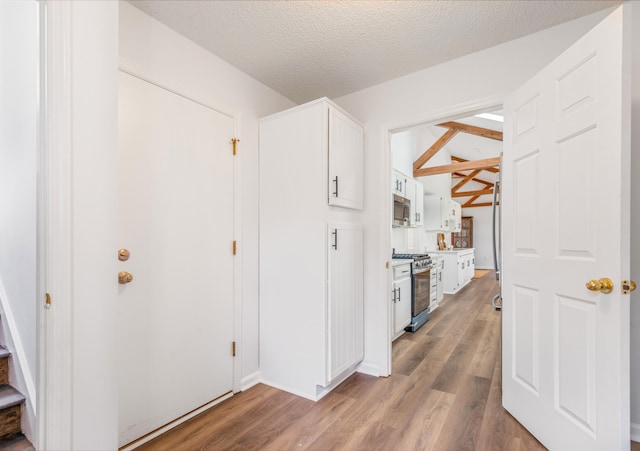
(437, 279)
(401, 298)
(459, 266)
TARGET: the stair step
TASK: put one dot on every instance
(9, 397)
(16, 443)
(4, 365)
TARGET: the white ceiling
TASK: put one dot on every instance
(309, 49)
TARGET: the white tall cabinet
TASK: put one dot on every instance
(311, 248)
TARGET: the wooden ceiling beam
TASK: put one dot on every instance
(469, 177)
(473, 130)
(462, 160)
(431, 151)
(469, 203)
(457, 167)
(479, 204)
(481, 192)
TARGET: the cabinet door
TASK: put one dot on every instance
(345, 161)
(402, 305)
(436, 212)
(415, 193)
(345, 313)
(418, 204)
(399, 184)
(455, 219)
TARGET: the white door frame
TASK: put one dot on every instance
(384, 224)
(54, 251)
(55, 403)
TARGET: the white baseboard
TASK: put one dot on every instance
(20, 375)
(290, 390)
(635, 432)
(249, 381)
(369, 368)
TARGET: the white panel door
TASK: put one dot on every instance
(346, 140)
(345, 315)
(176, 219)
(565, 200)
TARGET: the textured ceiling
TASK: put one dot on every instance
(309, 49)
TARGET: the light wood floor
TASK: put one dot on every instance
(444, 394)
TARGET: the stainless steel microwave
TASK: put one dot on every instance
(401, 211)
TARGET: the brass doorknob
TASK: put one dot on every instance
(123, 255)
(604, 285)
(124, 277)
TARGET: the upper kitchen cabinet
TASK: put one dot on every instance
(455, 219)
(345, 142)
(415, 193)
(399, 184)
(437, 214)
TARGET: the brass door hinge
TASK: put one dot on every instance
(235, 247)
(47, 301)
(233, 349)
(235, 141)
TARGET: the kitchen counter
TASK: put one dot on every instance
(400, 261)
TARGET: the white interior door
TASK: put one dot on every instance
(565, 200)
(176, 219)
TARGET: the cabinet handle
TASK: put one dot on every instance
(399, 296)
(336, 182)
(335, 239)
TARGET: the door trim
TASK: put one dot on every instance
(165, 82)
(384, 243)
(54, 226)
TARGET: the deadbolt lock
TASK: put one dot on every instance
(123, 255)
(124, 277)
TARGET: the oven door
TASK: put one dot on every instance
(421, 290)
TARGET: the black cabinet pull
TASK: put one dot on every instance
(336, 182)
(335, 239)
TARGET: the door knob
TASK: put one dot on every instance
(604, 285)
(124, 277)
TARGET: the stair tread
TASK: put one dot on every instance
(16, 443)
(4, 352)
(9, 396)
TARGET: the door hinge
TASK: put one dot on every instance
(47, 301)
(233, 349)
(235, 141)
(235, 247)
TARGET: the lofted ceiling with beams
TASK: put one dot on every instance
(475, 145)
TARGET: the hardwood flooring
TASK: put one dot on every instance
(444, 394)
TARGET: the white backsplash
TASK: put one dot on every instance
(415, 240)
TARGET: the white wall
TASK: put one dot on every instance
(146, 42)
(18, 147)
(635, 226)
(476, 81)
(482, 235)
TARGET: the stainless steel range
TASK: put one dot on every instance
(421, 286)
